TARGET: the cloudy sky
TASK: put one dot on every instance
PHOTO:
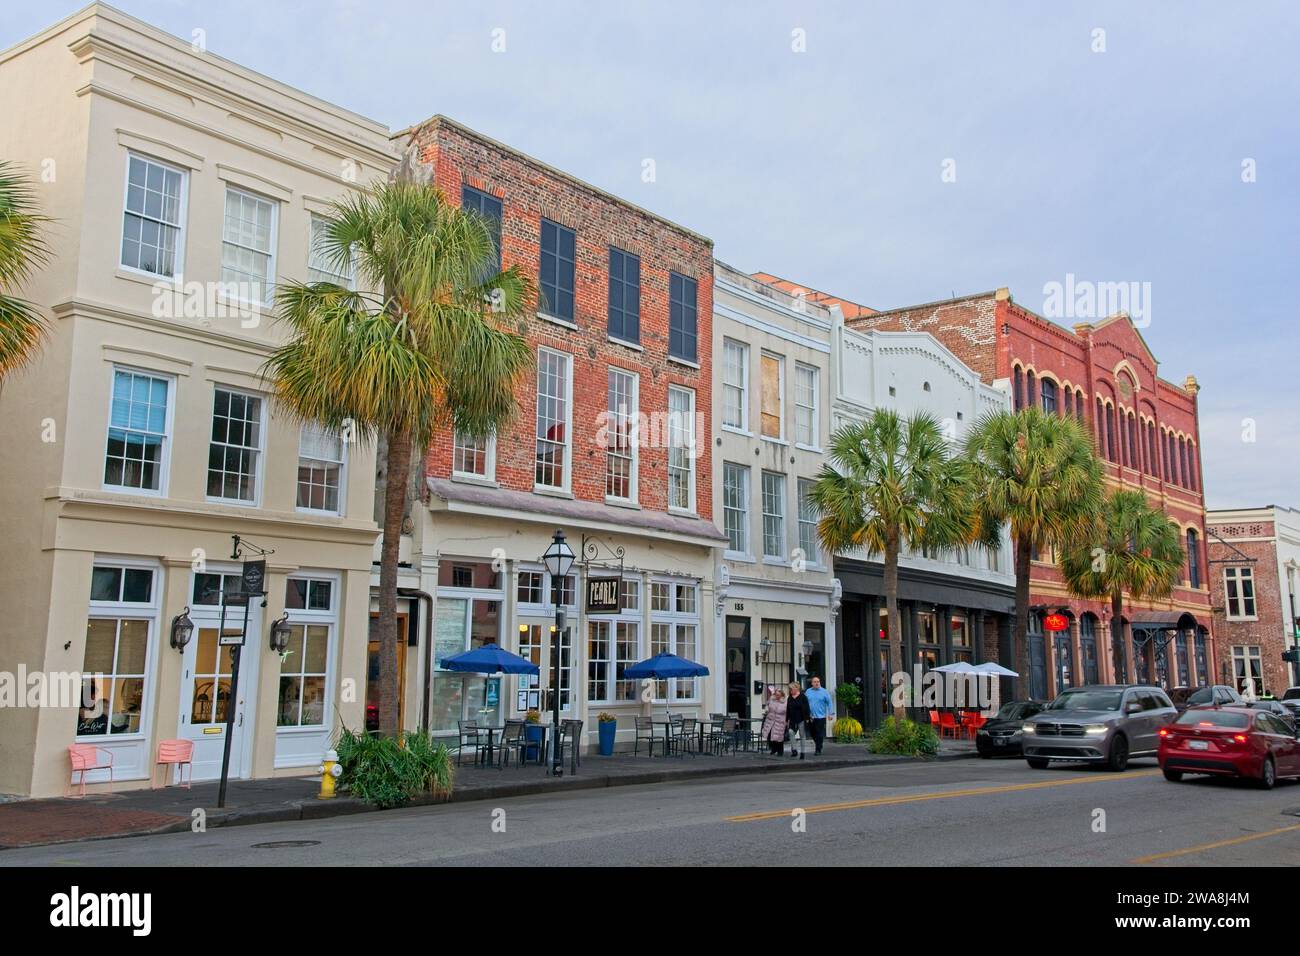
(1107, 141)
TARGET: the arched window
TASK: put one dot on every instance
(1049, 396)
(1078, 404)
(1110, 433)
(1193, 559)
(1069, 403)
(1133, 461)
(1018, 394)
(1031, 389)
(1173, 458)
(1191, 467)
(1099, 423)
(1182, 461)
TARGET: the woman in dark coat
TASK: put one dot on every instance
(797, 712)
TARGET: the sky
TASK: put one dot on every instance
(889, 153)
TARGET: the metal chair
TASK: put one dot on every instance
(645, 730)
(85, 758)
(571, 731)
(468, 735)
(722, 736)
(685, 735)
(512, 741)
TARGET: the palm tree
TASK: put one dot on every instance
(893, 484)
(22, 249)
(1131, 547)
(429, 349)
(1037, 473)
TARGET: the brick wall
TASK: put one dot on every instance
(530, 190)
(1267, 631)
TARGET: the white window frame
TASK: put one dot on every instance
(136, 611)
(259, 459)
(567, 483)
(814, 442)
(780, 396)
(742, 387)
(351, 278)
(812, 554)
(633, 417)
(689, 448)
(1250, 654)
(674, 620)
(489, 459)
(784, 480)
(1242, 575)
(744, 471)
(307, 617)
(274, 245)
(164, 464)
(343, 473)
(629, 617)
(179, 271)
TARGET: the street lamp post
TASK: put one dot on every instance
(558, 561)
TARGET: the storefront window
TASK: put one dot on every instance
(116, 659)
(463, 624)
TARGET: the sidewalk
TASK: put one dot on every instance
(171, 809)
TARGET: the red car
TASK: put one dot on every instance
(1233, 741)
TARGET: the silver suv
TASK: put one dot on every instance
(1104, 723)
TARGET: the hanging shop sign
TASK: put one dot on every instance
(1056, 622)
(603, 595)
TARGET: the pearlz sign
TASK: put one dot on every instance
(603, 595)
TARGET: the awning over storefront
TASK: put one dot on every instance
(1161, 620)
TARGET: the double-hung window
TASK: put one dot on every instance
(556, 270)
(621, 437)
(773, 514)
(614, 645)
(138, 426)
(322, 266)
(735, 506)
(735, 384)
(682, 306)
(248, 245)
(805, 404)
(1239, 589)
(320, 468)
(554, 388)
(807, 522)
(473, 457)
(115, 665)
(153, 222)
(235, 451)
(488, 208)
(674, 628)
(681, 448)
(304, 666)
(624, 296)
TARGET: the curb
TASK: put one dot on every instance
(300, 810)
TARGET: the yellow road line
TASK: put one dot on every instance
(1214, 846)
(939, 795)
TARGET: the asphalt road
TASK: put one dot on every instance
(970, 812)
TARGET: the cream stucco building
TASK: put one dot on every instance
(142, 441)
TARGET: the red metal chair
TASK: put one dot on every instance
(179, 753)
(948, 723)
(934, 719)
(87, 757)
(972, 721)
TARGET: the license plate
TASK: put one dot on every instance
(999, 741)
(1198, 745)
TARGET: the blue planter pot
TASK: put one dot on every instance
(533, 735)
(607, 731)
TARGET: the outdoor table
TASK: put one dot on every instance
(668, 732)
(491, 731)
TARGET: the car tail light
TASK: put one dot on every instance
(1240, 738)
(1164, 731)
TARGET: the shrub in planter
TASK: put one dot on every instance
(848, 696)
(847, 730)
(389, 772)
(905, 738)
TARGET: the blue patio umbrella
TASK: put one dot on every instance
(489, 659)
(665, 665)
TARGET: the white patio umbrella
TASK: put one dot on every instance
(996, 669)
(958, 667)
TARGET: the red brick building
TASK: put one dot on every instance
(1254, 558)
(611, 443)
(1148, 435)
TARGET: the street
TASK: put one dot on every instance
(968, 812)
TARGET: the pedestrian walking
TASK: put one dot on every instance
(819, 707)
(774, 723)
(797, 716)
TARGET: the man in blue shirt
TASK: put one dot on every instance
(819, 703)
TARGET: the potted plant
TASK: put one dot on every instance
(607, 724)
(533, 734)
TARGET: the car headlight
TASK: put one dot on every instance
(1095, 730)
(1028, 729)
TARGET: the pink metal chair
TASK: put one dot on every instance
(87, 757)
(179, 753)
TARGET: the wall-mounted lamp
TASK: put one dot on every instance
(182, 629)
(280, 631)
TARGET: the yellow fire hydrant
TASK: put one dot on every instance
(329, 771)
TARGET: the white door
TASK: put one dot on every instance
(205, 696)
